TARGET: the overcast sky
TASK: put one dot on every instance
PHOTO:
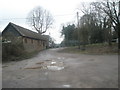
(63, 11)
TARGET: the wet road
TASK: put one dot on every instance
(0, 65)
(51, 69)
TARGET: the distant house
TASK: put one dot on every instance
(47, 37)
(50, 43)
(31, 41)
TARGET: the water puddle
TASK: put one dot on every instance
(66, 86)
(46, 73)
(53, 62)
(55, 68)
(47, 64)
(58, 58)
(35, 67)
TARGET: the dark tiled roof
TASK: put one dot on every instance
(27, 33)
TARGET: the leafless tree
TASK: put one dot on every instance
(40, 19)
(110, 8)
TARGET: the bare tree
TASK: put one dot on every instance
(40, 19)
(110, 8)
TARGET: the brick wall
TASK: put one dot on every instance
(33, 44)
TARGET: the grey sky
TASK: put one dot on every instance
(63, 11)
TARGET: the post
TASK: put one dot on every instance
(119, 27)
(119, 45)
(119, 13)
(78, 30)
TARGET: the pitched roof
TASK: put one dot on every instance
(26, 32)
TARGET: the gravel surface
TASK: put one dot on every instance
(51, 69)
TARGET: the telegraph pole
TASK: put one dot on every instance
(119, 27)
(78, 30)
(119, 10)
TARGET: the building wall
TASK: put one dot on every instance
(29, 44)
(11, 35)
(33, 44)
(11, 44)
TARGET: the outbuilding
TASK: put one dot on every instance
(29, 40)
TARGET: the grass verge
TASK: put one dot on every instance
(100, 48)
(20, 57)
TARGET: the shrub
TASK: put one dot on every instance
(10, 50)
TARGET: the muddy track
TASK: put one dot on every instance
(51, 69)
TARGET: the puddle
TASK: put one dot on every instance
(46, 73)
(53, 62)
(59, 58)
(66, 86)
(37, 67)
(51, 65)
(55, 68)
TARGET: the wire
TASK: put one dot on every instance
(12, 18)
(26, 18)
(65, 15)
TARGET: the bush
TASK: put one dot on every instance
(10, 50)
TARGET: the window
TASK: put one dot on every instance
(25, 40)
(38, 42)
(43, 43)
(31, 40)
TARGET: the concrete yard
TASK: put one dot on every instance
(52, 69)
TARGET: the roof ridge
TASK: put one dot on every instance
(26, 32)
(15, 26)
(22, 27)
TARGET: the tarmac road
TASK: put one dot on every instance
(52, 69)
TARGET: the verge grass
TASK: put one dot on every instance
(20, 57)
(100, 48)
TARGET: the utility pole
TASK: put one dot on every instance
(119, 10)
(119, 27)
(119, 42)
(78, 30)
